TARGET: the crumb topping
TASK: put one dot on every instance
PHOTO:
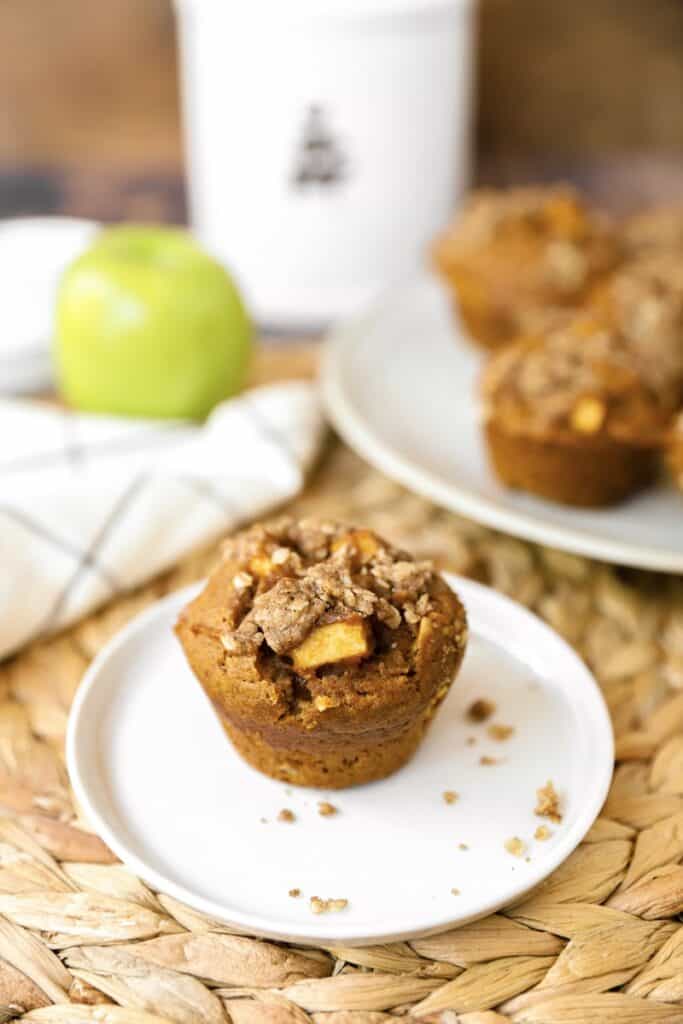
(657, 229)
(555, 212)
(319, 906)
(286, 815)
(581, 378)
(646, 300)
(294, 893)
(548, 802)
(480, 710)
(326, 810)
(297, 577)
(571, 243)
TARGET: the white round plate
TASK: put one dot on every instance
(400, 386)
(160, 783)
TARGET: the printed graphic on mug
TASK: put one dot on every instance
(319, 160)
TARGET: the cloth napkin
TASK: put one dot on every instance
(93, 505)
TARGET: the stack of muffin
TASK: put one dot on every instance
(583, 319)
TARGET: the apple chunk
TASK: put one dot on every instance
(348, 640)
(364, 541)
(261, 565)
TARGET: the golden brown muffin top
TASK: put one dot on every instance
(582, 379)
(553, 212)
(294, 577)
(549, 227)
(656, 230)
(644, 302)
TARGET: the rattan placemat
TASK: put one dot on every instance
(81, 939)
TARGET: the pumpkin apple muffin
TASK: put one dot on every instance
(643, 301)
(575, 417)
(676, 452)
(656, 230)
(511, 258)
(324, 650)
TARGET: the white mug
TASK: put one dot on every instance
(327, 141)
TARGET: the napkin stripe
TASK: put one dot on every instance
(110, 446)
(205, 489)
(72, 446)
(268, 431)
(52, 538)
(111, 523)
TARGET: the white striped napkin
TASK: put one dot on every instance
(93, 505)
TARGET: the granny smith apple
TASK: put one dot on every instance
(147, 324)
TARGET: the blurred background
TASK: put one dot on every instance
(90, 113)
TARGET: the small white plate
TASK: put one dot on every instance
(159, 781)
(400, 385)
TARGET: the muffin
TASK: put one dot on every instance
(653, 231)
(512, 258)
(574, 417)
(676, 452)
(643, 301)
(324, 650)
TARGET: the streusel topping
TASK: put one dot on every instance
(581, 377)
(556, 212)
(296, 576)
(647, 306)
(569, 242)
(655, 231)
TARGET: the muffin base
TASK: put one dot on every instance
(485, 325)
(585, 474)
(349, 764)
(675, 462)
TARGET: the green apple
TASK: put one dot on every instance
(147, 324)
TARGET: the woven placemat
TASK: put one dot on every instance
(81, 939)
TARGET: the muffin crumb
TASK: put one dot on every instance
(319, 906)
(485, 759)
(455, 892)
(326, 809)
(548, 802)
(542, 833)
(286, 815)
(500, 733)
(470, 741)
(450, 796)
(294, 893)
(463, 846)
(480, 710)
(515, 846)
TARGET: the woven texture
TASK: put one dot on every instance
(81, 939)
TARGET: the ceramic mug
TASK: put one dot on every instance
(327, 142)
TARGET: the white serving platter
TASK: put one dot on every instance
(400, 386)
